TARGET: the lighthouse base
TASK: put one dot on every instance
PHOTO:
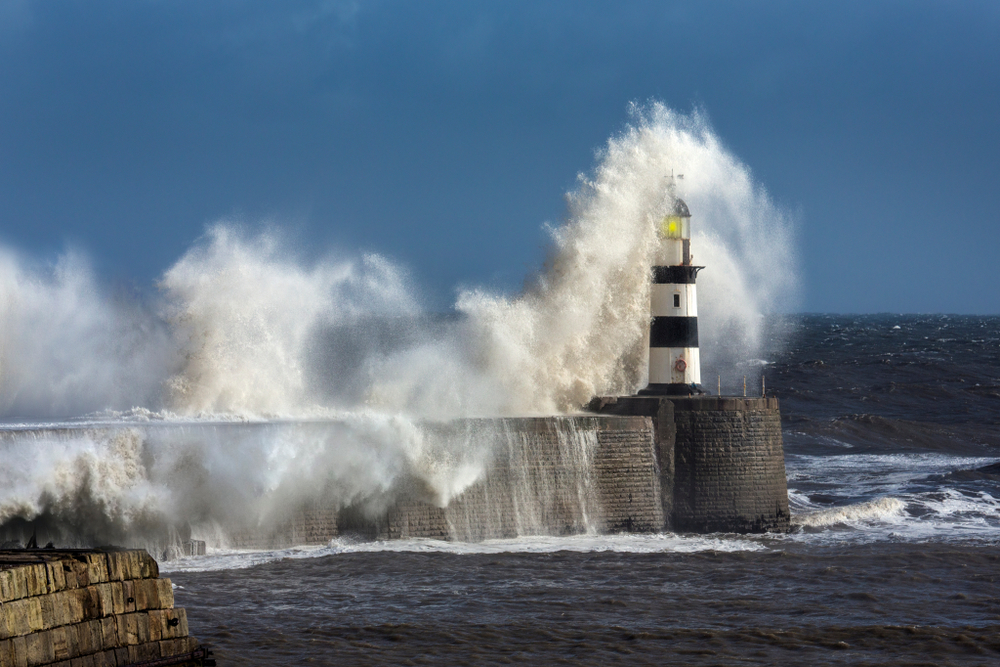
(672, 389)
(722, 465)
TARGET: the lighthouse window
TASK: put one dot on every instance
(677, 301)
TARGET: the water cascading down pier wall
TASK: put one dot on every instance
(642, 464)
(549, 476)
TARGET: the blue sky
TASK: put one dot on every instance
(444, 134)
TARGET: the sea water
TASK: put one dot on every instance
(893, 557)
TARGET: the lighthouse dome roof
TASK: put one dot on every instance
(680, 208)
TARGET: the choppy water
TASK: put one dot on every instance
(787, 604)
(895, 557)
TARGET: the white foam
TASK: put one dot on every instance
(870, 471)
(913, 501)
(879, 509)
(625, 543)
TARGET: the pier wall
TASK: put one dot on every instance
(316, 523)
(727, 457)
(645, 464)
(89, 607)
(633, 464)
(550, 476)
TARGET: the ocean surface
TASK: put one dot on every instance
(894, 557)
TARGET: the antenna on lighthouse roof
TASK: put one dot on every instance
(672, 182)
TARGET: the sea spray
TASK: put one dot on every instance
(245, 330)
(68, 346)
(580, 329)
(85, 486)
(135, 484)
(245, 313)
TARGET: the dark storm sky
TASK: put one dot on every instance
(443, 134)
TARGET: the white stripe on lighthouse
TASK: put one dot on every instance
(662, 301)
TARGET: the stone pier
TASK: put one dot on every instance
(632, 464)
(90, 608)
(687, 464)
(722, 460)
(549, 476)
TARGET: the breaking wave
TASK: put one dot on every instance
(243, 328)
(869, 511)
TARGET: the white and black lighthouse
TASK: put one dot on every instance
(674, 366)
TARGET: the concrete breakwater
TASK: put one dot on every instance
(633, 464)
(542, 476)
(722, 460)
(90, 608)
(641, 464)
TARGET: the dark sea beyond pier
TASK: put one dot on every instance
(890, 426)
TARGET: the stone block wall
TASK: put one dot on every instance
(729, 466)
(89, 608)
(628, 477)
(413, 518)
(549, 476)
(721, 459)
(643, 464)
(317, 524)
(312, 524)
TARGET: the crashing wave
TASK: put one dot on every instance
(866, 512)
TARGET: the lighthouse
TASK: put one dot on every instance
(674, 366)
(720, 461)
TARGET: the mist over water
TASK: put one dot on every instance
(242, 320)
(68, 347)
(245, 329)
(244, 314)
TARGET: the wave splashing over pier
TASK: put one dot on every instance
(243, 329)
(580, 329)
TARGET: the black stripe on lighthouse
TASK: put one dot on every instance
(673, 332)
(675, 275)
